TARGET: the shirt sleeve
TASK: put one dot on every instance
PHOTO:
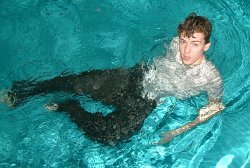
(171, 57)
(173, 50)
(215, 86)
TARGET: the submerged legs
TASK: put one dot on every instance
(112, 128)
(120, 88)
(101, 85)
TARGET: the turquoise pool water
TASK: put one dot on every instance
(40, 39)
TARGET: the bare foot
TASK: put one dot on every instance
(7, 97)
(52, 106)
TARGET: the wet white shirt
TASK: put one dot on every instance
(168, 76)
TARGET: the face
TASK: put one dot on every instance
(192, 48)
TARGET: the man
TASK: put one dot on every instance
(135, 92)
(188, 72)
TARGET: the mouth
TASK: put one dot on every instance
(185, 57)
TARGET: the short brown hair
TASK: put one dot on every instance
(196, 24)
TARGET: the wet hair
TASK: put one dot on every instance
(195, 24)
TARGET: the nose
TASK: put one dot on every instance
(187, 48)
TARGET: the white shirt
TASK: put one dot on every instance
(168, 76)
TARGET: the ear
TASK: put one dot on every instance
(207, 46)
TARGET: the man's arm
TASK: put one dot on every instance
(214, 107)
(204, 114)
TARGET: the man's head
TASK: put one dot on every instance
(194, 35)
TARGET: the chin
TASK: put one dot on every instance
(187, 62)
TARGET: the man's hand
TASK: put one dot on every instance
(168, 136)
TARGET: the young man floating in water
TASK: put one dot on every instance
(135, 92)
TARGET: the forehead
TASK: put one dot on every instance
(194, 36)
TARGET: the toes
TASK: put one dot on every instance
(8, 97)
(52, 107)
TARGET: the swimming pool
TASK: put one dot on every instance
(42, 39)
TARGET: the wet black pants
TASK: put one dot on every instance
(120, 88)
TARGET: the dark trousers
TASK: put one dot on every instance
(120, 88)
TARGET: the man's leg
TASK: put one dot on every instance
(130, 111)
(119, 125)
(120, 88)
(98, 84)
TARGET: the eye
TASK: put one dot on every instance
(182, 42)
(196, 45)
